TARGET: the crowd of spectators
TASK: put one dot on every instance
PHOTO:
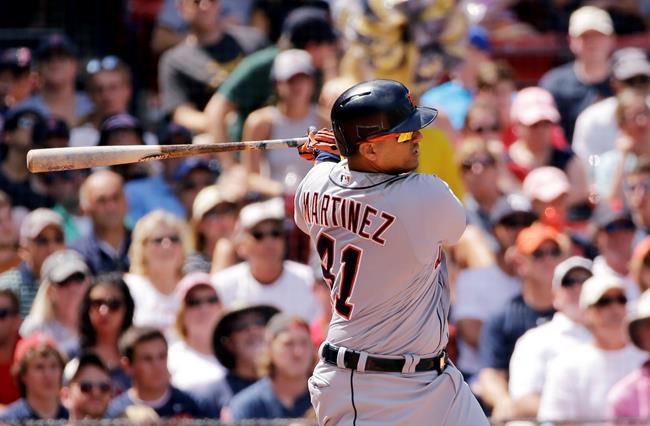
(183, 289)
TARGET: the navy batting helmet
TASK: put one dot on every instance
(374, 108)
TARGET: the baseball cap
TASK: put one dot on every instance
(308, 24)
(191, 280)
(641, 313)
(56, 128)
(545, 184)
(590, 18)
(31, 342)
(255, 213)
(118, 122)
(174, 133)
(529, 239)
(630, 62)
(18, 59)
(62, 264)
(291, 62)
(55, 44)
(607, 213)
(532, 105)
(594, 288)
(208, 198)
(193, 163)
(509, 205)
(283, 322)
(36, 221)
(26, 118)
(566, 266)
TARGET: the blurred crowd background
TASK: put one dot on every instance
(182, 288)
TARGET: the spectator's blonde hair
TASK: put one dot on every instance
(626, 99)
(145, 227)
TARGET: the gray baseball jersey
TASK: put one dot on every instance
(379, 238)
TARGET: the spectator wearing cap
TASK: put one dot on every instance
(55, 311)
(455, 96)
(285, 364)
(41, 234)
(238, 341)
(16, 79)
(144, 357)
(539, 345)
(265, 277)
(247, 87)
(596, 128)
(192, 363)
(482, 292)
(161, 243)
(24, 129)
(102, 200)
(87, 388)
(57, 66)
(637, 196)
(9, 337)
(578, 380)
(214, 216)
(537, 251)
(191, 176)
(580, 83)
(293, 111)
(191, 71)
(629, 397)
(534, 115)
(38, 370)
(613, 236)
(632, 143)
(640, 264)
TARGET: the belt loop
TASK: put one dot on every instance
(321, 348)
(340, 357)
(361, 365)
(410, 362)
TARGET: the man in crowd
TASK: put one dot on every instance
(9, 326)
(144, 357)
(16, 82)
(9, 257)
(88, 390)
(41, 234)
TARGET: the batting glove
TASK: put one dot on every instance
(321, 144)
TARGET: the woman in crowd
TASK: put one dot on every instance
(107, 312)
(160, 244)
(55, 311)
(191, 360)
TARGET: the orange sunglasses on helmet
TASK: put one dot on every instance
(401, 137)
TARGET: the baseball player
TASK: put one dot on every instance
(379, 229)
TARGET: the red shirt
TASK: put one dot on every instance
(8, 388)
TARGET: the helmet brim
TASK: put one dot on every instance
(420, 118)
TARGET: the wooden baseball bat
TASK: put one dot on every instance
(56, 159)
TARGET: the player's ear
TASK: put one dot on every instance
(367, 150)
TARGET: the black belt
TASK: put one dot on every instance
(373, 363)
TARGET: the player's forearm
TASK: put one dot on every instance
(528, 405)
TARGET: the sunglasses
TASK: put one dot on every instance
(76, 278)
(401, 137)
(274, 233)
(643, 185)
(620, 225)
(7, 312)
(194, 303)
(516, 222)
(174, 239)
(245, 325)
(477, 164)
(42, 241)
(87, 387)
(113, 305)
(540, 254)
(486, 129)
(636, 81)
(606, 301)
(190, 185)
(107, 63)
(568, 281)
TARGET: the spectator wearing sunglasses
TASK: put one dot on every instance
(482, 292)
(55, 312)
(9, 337)
(106, 313)
(265, 277)
(613, 236)
(192, 363)
(578, 380)
(87, 389)
(539, 345)
(637, 196)
(41, 234)
(537, 251)
(161, 243)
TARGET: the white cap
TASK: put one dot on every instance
(208, 198)
(36, 221)
(594, 288)
(255, 213)
(545, 184)
(291, 62)
(566, 266)
(590, 18)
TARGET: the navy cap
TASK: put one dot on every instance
(607, 213)
(479, 38)
(194, 163)
(118, 122)
(16, 59)
(26, 118)
(173, 133)
(55, 44)
(308, 24)
(56, 128)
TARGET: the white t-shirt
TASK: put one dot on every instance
(192, 371)
(537, 347)
(480, 294)
(578, 381)
(152, 308)
(291, 292)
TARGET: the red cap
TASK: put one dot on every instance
(33, 341)
(529, 239)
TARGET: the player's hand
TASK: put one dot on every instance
(318, 141)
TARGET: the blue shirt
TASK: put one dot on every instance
(148, 194)
(259, 401)
(450, 97)
(178, 405)
(20, 411)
